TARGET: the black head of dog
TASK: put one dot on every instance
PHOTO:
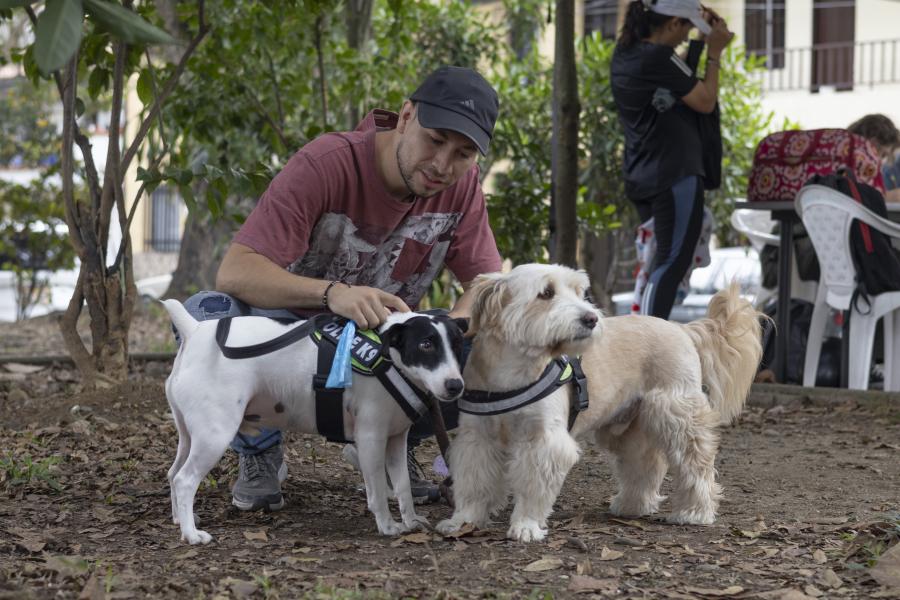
(428, 350)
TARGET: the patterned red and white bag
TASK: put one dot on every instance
(785, 160)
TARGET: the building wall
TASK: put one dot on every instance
(875, 20)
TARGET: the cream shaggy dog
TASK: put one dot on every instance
(657, 390)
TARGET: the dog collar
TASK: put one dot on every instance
(558, 373)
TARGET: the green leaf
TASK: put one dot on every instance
(15, 3)
(145, 87)
(58, 33)
(79, 107)
(125, 24)
(98, 80)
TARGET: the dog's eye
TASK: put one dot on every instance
(547, 294)
(426, 346)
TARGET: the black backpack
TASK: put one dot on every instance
(877, 262)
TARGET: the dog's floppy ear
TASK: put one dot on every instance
(489, 296)
(462, 323)
(392, 336)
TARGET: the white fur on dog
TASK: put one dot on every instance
(647, 402)
(209, 395)
(523, 320)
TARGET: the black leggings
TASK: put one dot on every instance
(677, 221)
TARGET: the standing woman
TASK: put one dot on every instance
(658, 98)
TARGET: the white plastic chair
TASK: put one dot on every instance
(757, 226)
(827, 215)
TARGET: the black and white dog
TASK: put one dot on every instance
(212, 397)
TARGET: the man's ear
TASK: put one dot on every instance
(407, 114)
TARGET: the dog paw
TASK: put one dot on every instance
(692, 517)
(416, 522)
(391, 528)
(526, 531)
(196, 537)
(630, 507)
(448, 526)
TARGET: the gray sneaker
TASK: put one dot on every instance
(259, 480)
(424, 491)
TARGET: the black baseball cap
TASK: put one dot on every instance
(461, 100)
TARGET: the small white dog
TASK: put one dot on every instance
(523, 320)
(212, 397)
(648, 406)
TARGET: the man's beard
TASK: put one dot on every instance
(404, 174)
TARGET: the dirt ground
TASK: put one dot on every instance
(811, 509)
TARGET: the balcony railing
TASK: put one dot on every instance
(841, 66)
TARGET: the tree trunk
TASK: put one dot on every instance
(358, 20)
(108, 291)
(202, 247)
(565, 126)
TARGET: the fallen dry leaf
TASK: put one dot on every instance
(548, 563)
(466, 530)
(630, 523)
(412, 538)
(93, 589)
(239, 587)
(256, 536)
(813, 591)
(644, 567)
(783, 594)
(887, 570)
(584, 584)
(729, 591)
(831, 578)
(607, 554)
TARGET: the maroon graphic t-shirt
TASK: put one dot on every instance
(327, 215)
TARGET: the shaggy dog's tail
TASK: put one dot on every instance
(181, 318)
(728, 342)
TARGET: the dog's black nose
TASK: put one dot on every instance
(589, 320)
(454, 386)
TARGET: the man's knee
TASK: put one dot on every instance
(208, 305)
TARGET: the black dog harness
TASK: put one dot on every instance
(368, 357)
(558, 373)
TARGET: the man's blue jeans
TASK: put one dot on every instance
(205, 306)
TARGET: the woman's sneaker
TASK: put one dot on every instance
(259, 480)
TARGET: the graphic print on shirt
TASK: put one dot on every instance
(404, 263)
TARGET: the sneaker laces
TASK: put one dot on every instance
(255, 466)
(416, 472)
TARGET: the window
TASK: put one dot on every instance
(833, 26)
(165, 222)
(601, 16)
(764, 31)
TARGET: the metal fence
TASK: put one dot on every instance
(842, 66)
(166, 207)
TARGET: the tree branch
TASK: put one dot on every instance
(321, 61)
(265, 115)
(276, 90)
(167, 89)
(112, 183)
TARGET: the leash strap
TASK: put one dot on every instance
(282, 341)
(580, 400)
(329, 401)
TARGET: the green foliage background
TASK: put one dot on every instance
(272, 75)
